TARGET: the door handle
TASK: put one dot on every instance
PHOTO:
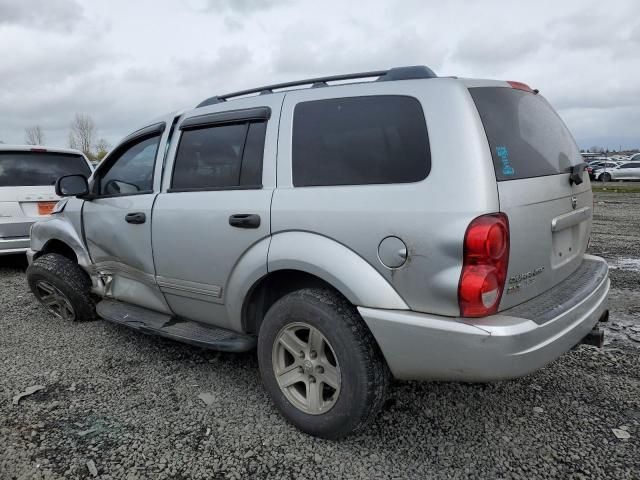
(135, 218)
(244, 220)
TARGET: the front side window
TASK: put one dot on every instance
(219, 157)
(360, 140)
(132, 171)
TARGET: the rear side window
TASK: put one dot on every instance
(19, 169)
(360, 140)
(526, 136)
(220, 157)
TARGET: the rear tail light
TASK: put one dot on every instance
(484, 268)
(38, 149)
(46, 208)
(522, 86)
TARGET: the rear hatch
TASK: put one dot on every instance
(549, 218)
(27, 180)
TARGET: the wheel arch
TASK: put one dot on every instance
(270, 288)
(57, 235)
(57, 246)
(299, 260)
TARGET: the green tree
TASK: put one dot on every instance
(102, 148)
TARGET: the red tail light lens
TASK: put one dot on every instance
(484, 269)
(521, 86)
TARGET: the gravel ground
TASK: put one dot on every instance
(117, 404)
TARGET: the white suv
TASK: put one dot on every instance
(27, 177)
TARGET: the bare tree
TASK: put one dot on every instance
(34, 135)
(82, 132)
(102, 148)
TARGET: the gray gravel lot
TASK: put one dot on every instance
(128, 404)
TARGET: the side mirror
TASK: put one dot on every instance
(72, 186)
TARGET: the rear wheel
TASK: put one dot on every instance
(320, 364)
(605, 177)
(62, 287)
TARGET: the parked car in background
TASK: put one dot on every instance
(415, 226)
(594, 167)
(623, 171)
(27, 188)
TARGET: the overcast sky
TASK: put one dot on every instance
(124, 62)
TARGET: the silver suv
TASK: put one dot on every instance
(412, 226)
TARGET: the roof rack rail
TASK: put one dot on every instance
(397, 73)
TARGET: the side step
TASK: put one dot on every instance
(155, 323)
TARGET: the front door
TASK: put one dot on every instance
(117, 220)
(628, 171)
(213, 213)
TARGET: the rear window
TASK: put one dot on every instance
(360, 140)
(526, 136)
(18, 169)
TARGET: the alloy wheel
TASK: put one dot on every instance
(306, 368)
(54, 300)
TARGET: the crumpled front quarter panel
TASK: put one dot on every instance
(66, 227)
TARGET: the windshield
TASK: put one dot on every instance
(18, 169)
(526, 136)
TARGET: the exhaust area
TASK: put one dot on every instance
(596, 336)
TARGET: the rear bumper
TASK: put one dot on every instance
(9, 246)
(419, 346)
(14, 235)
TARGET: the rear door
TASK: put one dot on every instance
(549, 218)
(215, 204)
(635, 171)
(628, 171)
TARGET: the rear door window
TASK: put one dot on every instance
(19, 169)
(526, 136)
(360, 140)
(218, 157)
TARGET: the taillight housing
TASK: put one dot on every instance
(484, 267)
(521, 86)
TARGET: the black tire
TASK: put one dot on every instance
(605, 177)
(364, 373)
(68, 278)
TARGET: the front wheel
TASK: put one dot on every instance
(62, 287)
(320, 364)
(605, 177)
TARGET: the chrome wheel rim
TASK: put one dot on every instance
(306, 368)
(55, 301)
